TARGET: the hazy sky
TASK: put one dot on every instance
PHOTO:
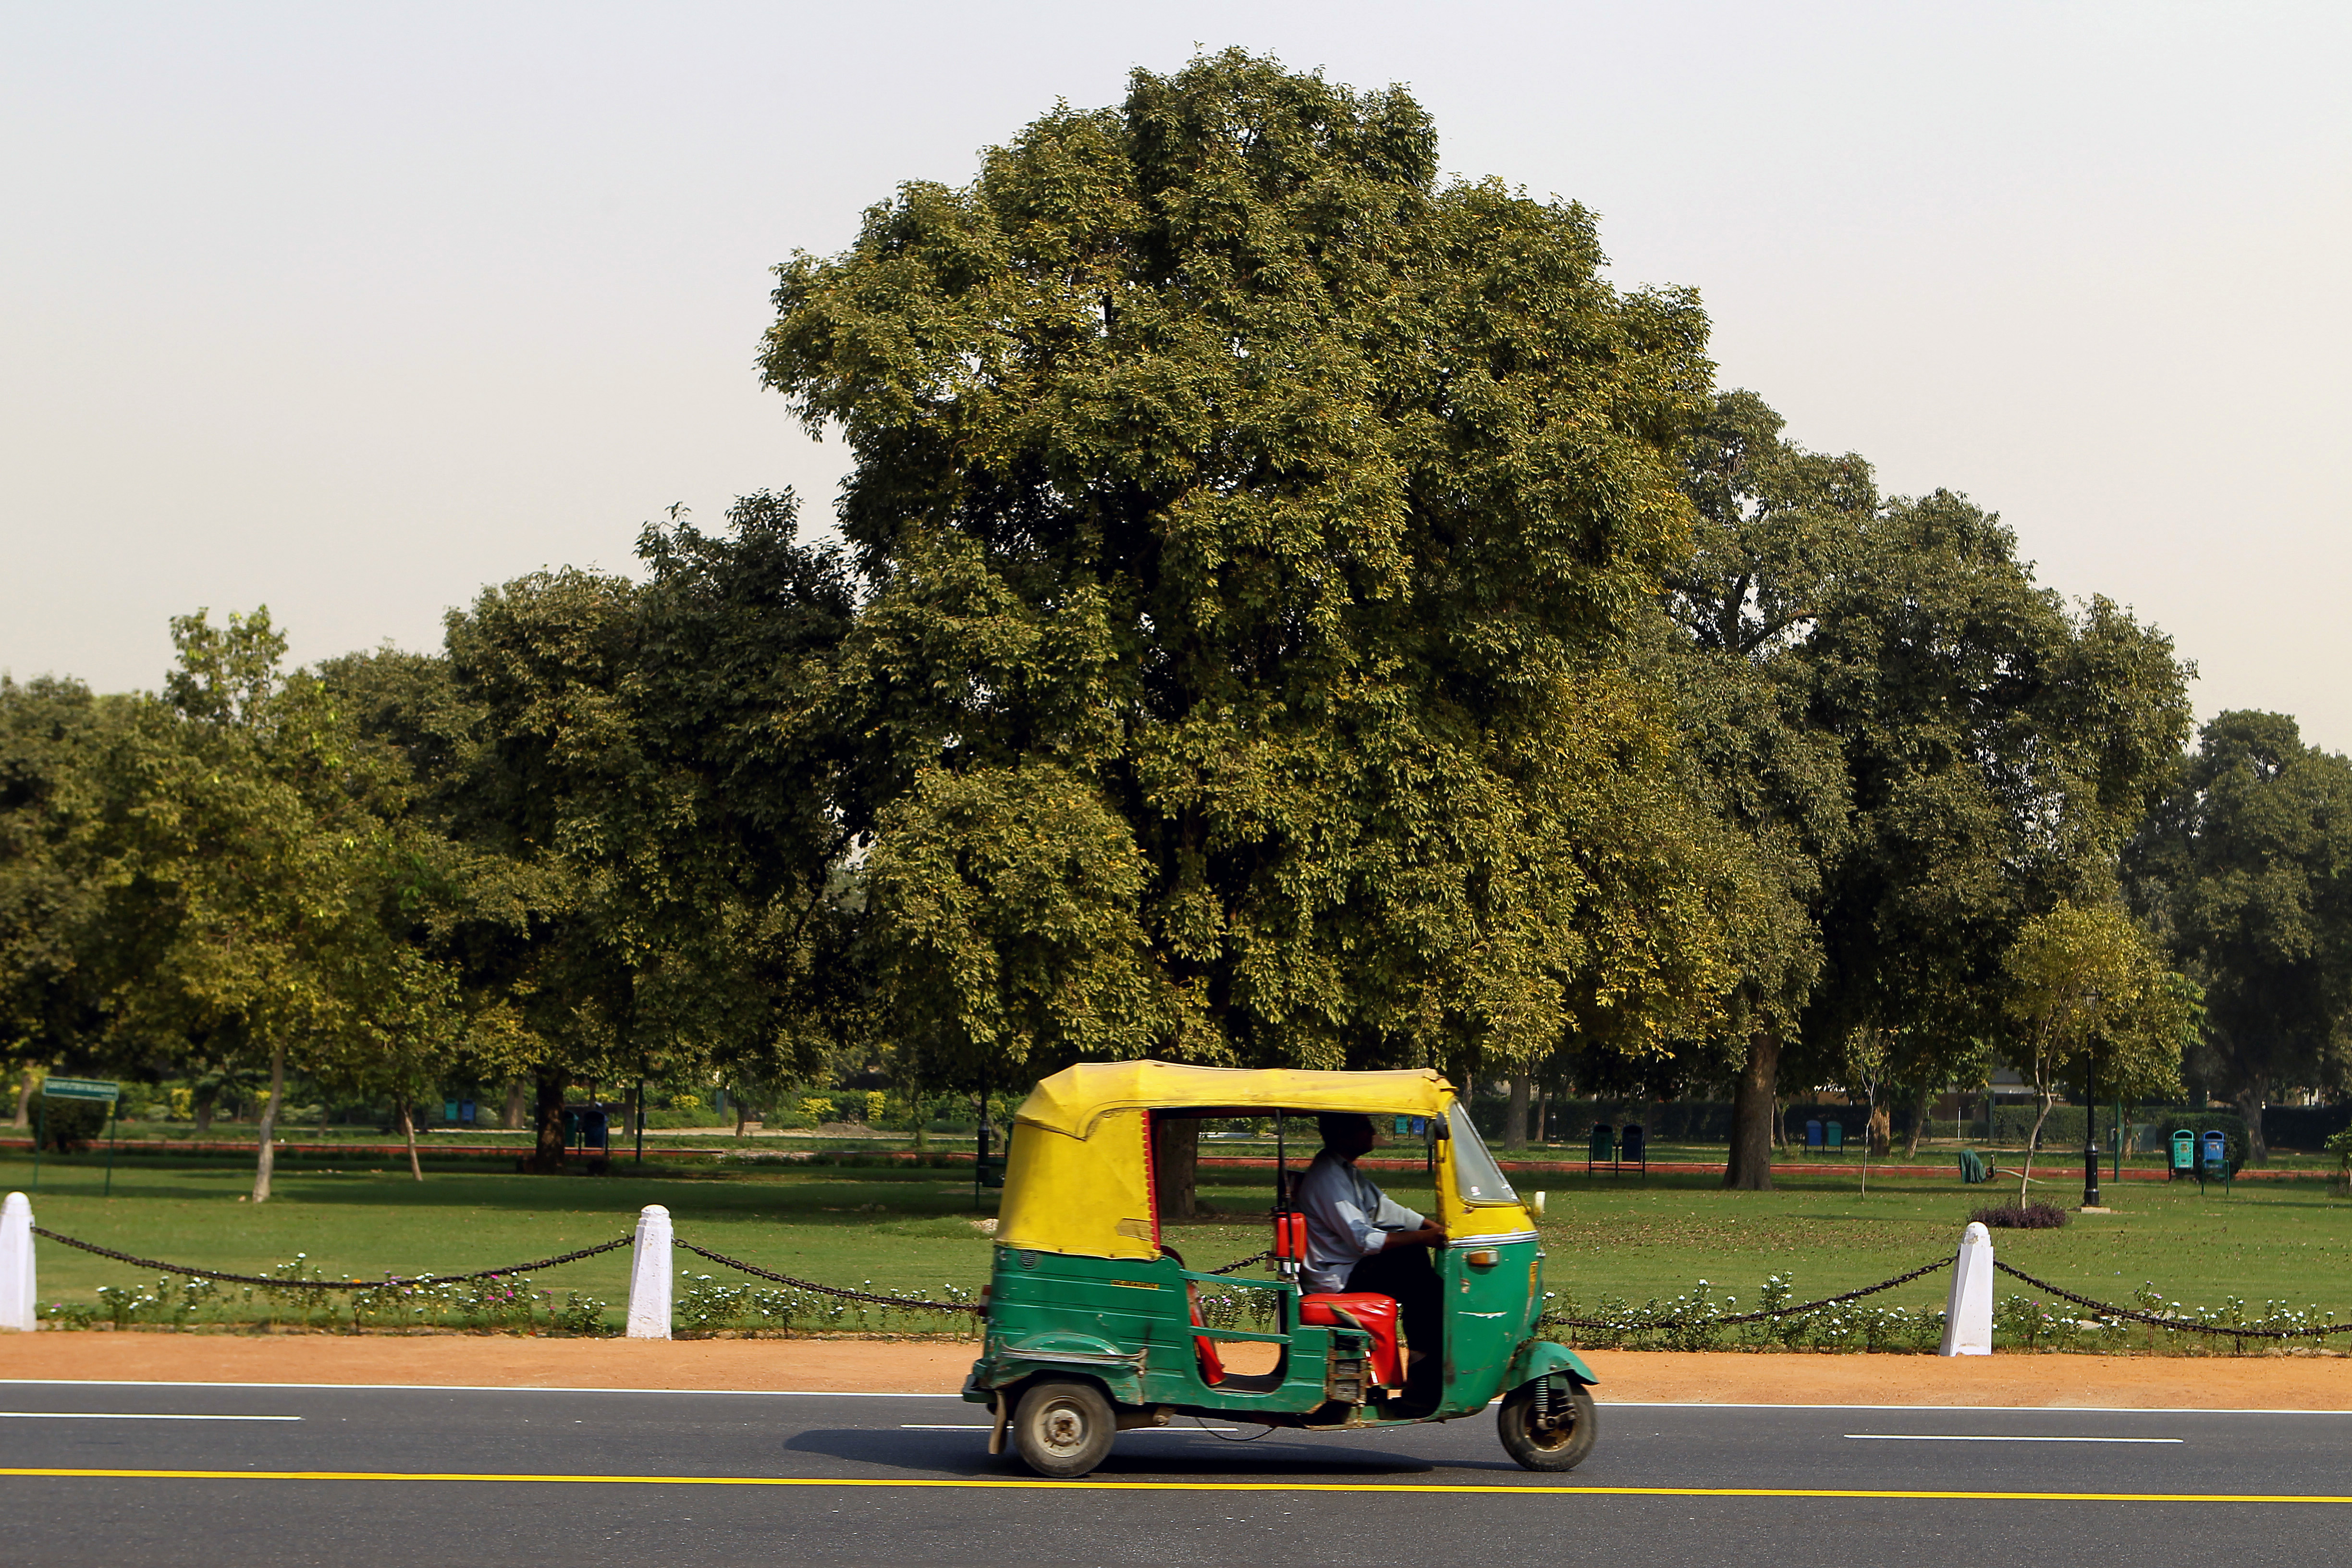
(351, 309)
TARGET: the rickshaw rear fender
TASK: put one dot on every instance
(1121, 1374)
(1541, 1358)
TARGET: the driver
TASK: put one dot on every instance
(1359, 1238)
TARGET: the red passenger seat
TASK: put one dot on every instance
(1376, 1315)
(1213, 1366)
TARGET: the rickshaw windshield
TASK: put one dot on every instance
(1474, 1171)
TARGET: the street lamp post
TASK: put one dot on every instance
(2091, 1134)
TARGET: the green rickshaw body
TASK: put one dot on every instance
(1060, 1308)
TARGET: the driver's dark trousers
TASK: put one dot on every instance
(1405, 1273)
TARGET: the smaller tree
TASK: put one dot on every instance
(2086, 989)
(248, 891)
(1865, 1069)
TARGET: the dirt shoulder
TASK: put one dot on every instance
(2057, 1382)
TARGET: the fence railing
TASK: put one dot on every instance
(1967, 1323)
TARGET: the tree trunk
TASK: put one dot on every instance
(2033, 1142)
(1880, 1129)
(2251, 1100)
(742, 1114)
(1515, 1119)
(1922, 1106)
(1754, 1110)
(204, 1112)
(547, 1158)
(1175, 1163)
(267, 1163)
(1543, 1120)
(25, 1098)
(409, 1131)
(518, 1105)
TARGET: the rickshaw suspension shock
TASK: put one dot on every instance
(1559, 1407)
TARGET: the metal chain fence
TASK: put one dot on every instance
(810, 1285)
(2174, 1323)
(1563, 1321)
(284, 1282)
(2169, 1322)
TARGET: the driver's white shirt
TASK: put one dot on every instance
(1347, 1219)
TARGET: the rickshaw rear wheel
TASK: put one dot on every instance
(1541, 1438)
(1063, 1427)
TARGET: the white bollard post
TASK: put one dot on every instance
(1967, 1317)
(19, 1294)
(649, 1276)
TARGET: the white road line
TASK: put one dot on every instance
(125, 1416)
(466, 1388)
(951, 1393)
(1987, 1409)
(984, 1426)
(1983, 1438)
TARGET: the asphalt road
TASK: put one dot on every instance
(352, 1476)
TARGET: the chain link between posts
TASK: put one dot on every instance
(2177, 1325)
(1563, 1321)
(1560, 1320)
(283, 1282)
(844, 1293)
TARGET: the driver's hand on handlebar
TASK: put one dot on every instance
(1433, 1235)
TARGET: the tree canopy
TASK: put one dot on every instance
(1290, 608)
(2245, 869)
(1253, 525)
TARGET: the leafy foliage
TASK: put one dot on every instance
(1253, 525)
(2246, 867)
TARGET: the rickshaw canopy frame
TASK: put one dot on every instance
(1073, 1100)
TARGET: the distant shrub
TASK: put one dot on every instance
(69, 1126)
(2030, 1216)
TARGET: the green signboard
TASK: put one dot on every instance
(81, 1088)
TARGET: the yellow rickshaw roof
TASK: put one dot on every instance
(1070, 1102)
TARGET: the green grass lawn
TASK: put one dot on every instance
(1636, 1238)
(1624, 1236)
(901, 1230)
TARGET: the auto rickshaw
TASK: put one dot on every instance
(1093, 1325)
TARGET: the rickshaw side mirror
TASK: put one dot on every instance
(1437, 1128)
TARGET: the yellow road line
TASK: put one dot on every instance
(1027, 1484)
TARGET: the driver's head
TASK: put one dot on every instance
(1346, 1133)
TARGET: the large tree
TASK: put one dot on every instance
(250, 866)
(1254, 527)
(757, 921)
(58, 750)
(634, 814)
(1781, 532)
(2000, 745)
(1910, 748)
(2245, 869)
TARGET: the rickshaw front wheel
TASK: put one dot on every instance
(1063, 1427)
(1547, 1431)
